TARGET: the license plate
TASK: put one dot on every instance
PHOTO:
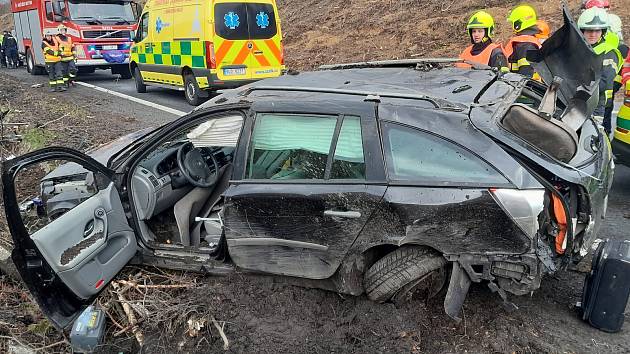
(110, 47)
(232, 72)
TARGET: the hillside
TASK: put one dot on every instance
(329, 31)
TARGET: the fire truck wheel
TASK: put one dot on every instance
(30, 64)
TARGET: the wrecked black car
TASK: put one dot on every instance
(379, 178)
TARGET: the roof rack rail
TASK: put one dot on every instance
(421, 64)
(439, 103)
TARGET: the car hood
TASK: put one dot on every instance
(566, 54)
(101, 154)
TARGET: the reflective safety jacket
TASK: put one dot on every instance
(491, 55)
(516, 52)
(625, 67)
(611, 61)
(51, 52)
(66, 47)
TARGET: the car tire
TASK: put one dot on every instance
(192, 90)
(31, 68)
(396, 270)
(125, 73)
(140, 86)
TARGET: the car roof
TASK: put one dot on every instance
(450, 88)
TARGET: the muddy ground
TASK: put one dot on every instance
(263, 314)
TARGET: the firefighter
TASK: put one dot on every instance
(66, 47)
(594, 24)
(3, 59)
(52, 58)
(480, 29)
(616, 28)
(10, 48)
(523, 19)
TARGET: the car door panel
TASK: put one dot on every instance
(296, 229)
(66, 255)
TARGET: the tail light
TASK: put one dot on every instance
(211, 61)
(281, 53)
(523, 206)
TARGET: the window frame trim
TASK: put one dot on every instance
(330, 157)
(428, 182)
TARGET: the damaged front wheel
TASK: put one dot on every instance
(397, 270)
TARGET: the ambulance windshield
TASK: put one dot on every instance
(101, 12)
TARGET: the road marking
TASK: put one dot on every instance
(134, 99)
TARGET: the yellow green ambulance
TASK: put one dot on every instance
(621, 141)
(199, 46)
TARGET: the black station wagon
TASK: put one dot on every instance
(380, 178)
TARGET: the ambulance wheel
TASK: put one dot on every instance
(192, 91)
(140, 86)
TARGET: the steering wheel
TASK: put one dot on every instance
(194, 166)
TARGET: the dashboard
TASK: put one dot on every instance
(157, 183)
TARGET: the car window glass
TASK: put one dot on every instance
(144, 27)
(348, 162)
(230, 21)
(49, 11)
(49, 189)
(414, 155)
(261, 20)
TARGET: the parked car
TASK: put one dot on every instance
(374, 178)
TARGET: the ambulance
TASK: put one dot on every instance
(200, 46)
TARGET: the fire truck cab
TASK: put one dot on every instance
(101, 30)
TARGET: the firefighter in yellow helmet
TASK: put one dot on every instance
(66, 46)
(480, 29)
(52, 59)
(523, 19)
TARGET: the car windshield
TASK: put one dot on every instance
(103, 12)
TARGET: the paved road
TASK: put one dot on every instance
(150, 113)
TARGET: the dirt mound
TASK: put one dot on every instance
(320, 32)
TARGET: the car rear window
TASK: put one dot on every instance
(243, 21)
(287, 147)
(419, 156)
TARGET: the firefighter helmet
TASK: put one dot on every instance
(602, 4)
(593, 19)
(545, 30)
(481, 19)
(522, 17)
(615, 25)
(61, 28)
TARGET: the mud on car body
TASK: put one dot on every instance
(380, 178)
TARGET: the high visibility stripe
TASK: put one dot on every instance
(522, 62)
(242, 55)
(260, 58)
(618, 78)
(222, 51)
(274, 49)
(611, 62)
(609, 94)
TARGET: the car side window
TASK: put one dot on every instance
(415, 155)
(290, 147)
(144, 27)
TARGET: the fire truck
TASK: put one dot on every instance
(102, 31)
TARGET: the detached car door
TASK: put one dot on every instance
(308, 187)
(70, 233)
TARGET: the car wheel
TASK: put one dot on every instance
(192, 91)
(402, 270)
(140, 86)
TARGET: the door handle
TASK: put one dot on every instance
(343, 214)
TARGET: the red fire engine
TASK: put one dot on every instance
(101, 30)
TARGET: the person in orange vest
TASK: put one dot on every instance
(52, 58)
(523, 19)
(67, 55)
(480, 29)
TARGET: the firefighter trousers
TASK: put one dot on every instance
(55, 74)
(69, 70)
